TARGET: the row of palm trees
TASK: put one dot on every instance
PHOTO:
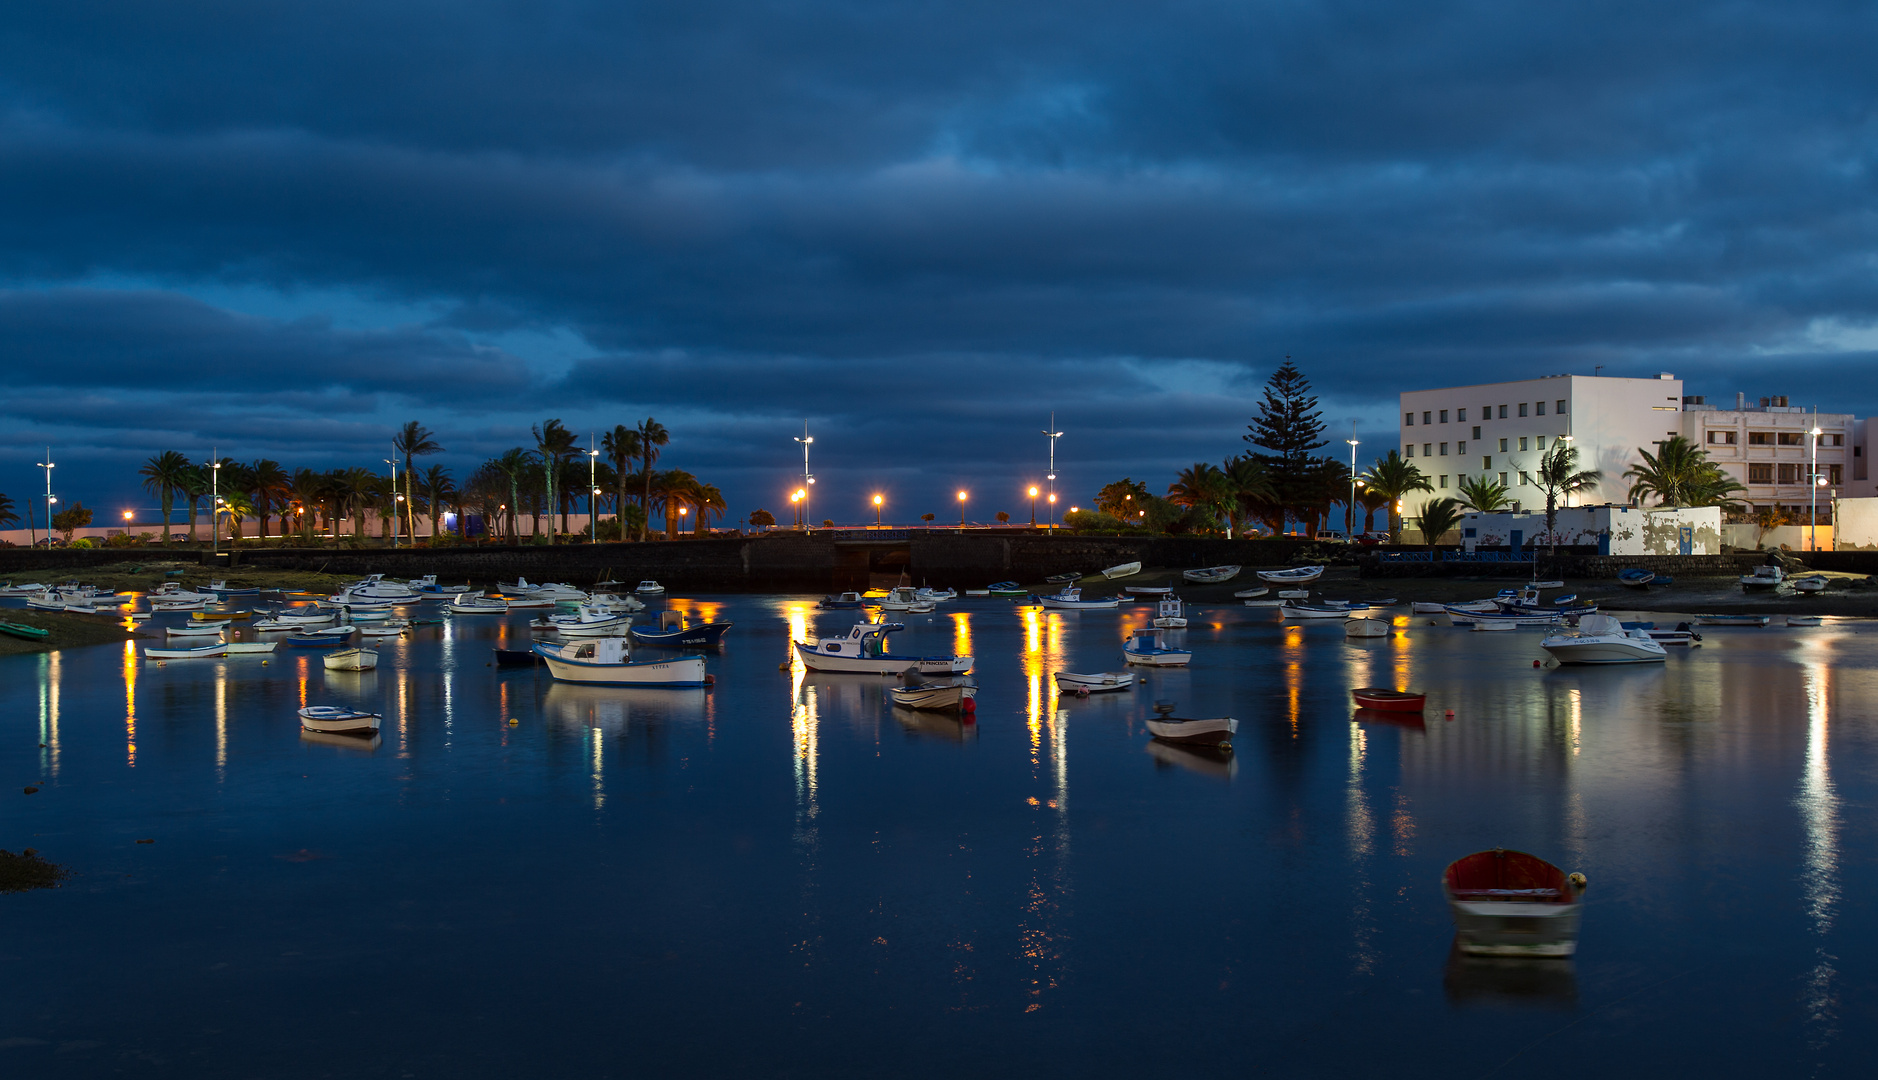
(551, 478)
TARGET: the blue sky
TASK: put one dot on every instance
(281, 230)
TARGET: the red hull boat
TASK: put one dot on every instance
(1386, 700)
(1509, 903)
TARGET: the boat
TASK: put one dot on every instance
(1509, 903)
(1763, 577)
(1064, 579)
(428, 586)
(1070, 682)
(478, 604)
(1149, 592)
(1070, 599)
(1601, 639)
(198, 630)
(351, 660)
(1296, 609)
(1007, 588)
(1464, 616)
(1792, 620)
(1211, 575)
(1171, 614)
(672, 633)
(1491, 625)
(899, 598)
(1297, 575)
(10, 589)
(283, 622)
(336, 721)
(863, 650)
(1555, 583)
(223, 588)
(1147, 649)
(1733, 620)
(1264, 603)
(517, 603)
(946, 696)
(584, 622)
(1425, 607)
(21, 630)
(845, 600)
(1809, 583)
(1635, 578)
(1251, 594)
(394, 628)
(1175, 729)
(180, 604)
(1365, 628)
(217, 649)
(609, 662)
(550, 592)
(221, 616)
(1294, 594)
(375, 589)
(649, 588)
(1383, 699)
(1122, 570)
(517, 658)
(932, 596)
(250, 648)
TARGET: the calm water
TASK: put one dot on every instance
(786, 876)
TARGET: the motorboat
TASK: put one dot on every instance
(649, 588)
(1069, 682)
(916, 693)
(1166, 726)
(1809, 583)
(863, 650)
(1426, 607)
(428, 586)
(218, 649)
(517, 658)
(1007, 588)
(1763, 577)
(1069, 598)
(933, 596)
(291, 622)
(1384, 699)
(351, 660)
(1635, 577)
(1252, 593)
(1297, 609)
(924, 607)
(899, 598)
(1064, 579)
(1802, 620)
(584, 622)
(1733, 620)
(1297, 575)
(1147, 649)
(609, 662)
(478, 604)
(1122, 570)
(375, 589)
(1366, 628)
(559, 592)
(331, 720)
(845, 600)
(1211, 575)
(1171, 614)
(250, 648)
(672, 633)
(1509, 903)
(1601, 639)
(195, 630)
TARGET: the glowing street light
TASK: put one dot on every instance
(1033, 503)
(1812, 446)
(808, 478)
(877, 501)
(961, 509)
(1052, 434)
(48, 466)
(127, 515)
(1349, 531)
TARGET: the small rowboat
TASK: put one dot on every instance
(1509, 903)
(1811, 583)
(1386, 700)
(211, 630)
(1294, 594)
(336, 721)
(1733, 620)
(1149, 591)
(1793, 620)
(1127, 569)
(351, 660)
(1300, 575)
(1248, 594)
(248, 648)
(1296, 610)
(1423, 607)
(1211, 575)
(21, 630)
(1366, 628)
(953, 697)
(222, 615)
(1636, 577)
(517, 658)
(1007, 588)
(1069, 682)
(1217, 731)
(186, 654)
(1064, 579)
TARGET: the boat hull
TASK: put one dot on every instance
(707, 636)
(351, 660)
(1128, 569)
(1102, 683)
(679, 672)
(329, 721)
(1052, 602)
(1211, 731)
(1366, 628)
(938, 698)
(206, 652)
(1516, 929)
(1303, 575)
(1158, 658)
(1603, 650)
(887, 664)
(1385, 700)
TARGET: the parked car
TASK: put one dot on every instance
(1333, 537)
(1372, 538)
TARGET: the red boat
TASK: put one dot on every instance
(1509, 903)
(1413, 721)
(1377, 697)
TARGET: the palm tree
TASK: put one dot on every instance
(553, 442)
(195, 484)
(413, 440)
(1483, 494)
(163, 476)
(710, 501)
(1680, 474)
(674, 488)
(7, 514)
(1558, 474)
(1205, 488)
(270, 490)
(1392, 478)
(512, 464)
(1370, 501)
(652, 435)
(438, 487)
(239, 509)
(1437, 517)
(622, 448)
(1253, 493)
(308, 488)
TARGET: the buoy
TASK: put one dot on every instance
(710, 680)
(513, 721)
(968, 705)
(1535, 663)
(1450, 714)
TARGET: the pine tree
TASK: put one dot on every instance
(1291, 428)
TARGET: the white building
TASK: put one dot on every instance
(1502, 429)
(1765, 447)
(1613, 530)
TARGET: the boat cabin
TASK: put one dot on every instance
(606, 650)
(863, 639)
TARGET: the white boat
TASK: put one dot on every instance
(1810, 583)
(197, 604)
(1365, 628)
(585, 621)
(1298, 575)
(1295, 610)
(899, 598)
(1267, 603)
(1069, 598)
(1249, 594)
(1127, 569)
(934, 597)
(1171, 614)
(649, 588)
(1466, 617)
(336, 721)
(478, 604)
(351, 660)
(1211, 575)
(617, 603)
(1294, 594)
(1070, 682)
(1600, 639)
(864, 651)
(283, 622)
(429, 587)
(329, 633)
(1147, 649)
(1149, 592)
(186, 654)
(1764, 577)
(1424, 607)
(11, 589)
(1733, 620)
(394, 628)
(608, 662)
(1802, 620)
(376, 589)
(194, 630)
(550, 592)
(1165, 725)
(922, 695)
(1492, 625)
(517, 603)
(250, 648)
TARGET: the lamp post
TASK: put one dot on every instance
(396, 498)
(1349, 531)
(593, 463)
(1033, 505)
(808, 478)
(1053, 435)
(961, 509)
(215, 496)
(877, 502)
(802, 507)
(48, 466)
(1812, 450)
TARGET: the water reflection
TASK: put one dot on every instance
(1211, 762)
(1505, 981)
(1818, 802)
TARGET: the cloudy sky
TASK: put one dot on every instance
(280, 229)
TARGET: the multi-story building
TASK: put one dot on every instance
(1502, 429)
(1766, 448)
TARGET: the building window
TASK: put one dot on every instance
(1443, 481)
(1425, 415)
(1522, 408)
(1502, 446)
(1502, 412)
(1525, 481)
(1460, 415)
(1834, 474)
(1522, 442)
(1760, 438)
(1486, 462)
(1722, 438)
(1444, 416)
(1476, 431)
(1486, 412)
(1832, 440)
(1760, 474)
(1789, 474)
(1561, 407)
(1461, 447)
(1409, 450)
(1539, 409)
(1408, 419)
(1460, 479)
(1444, 449)
(1428, 449)
(1502, 479)
(1792, 438)
(1541, 442)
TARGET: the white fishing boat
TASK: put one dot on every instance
(1297, 575)
(649, 588)
(1490, 625)
(1294, 594)
(1601, 639)
(1763, 577)
(1146, 648)
(478, 604)
(1425, 607)
(1810, 583)
(899, 598)
(1069, 682)
(1166, 726)
(204, 651)
(351, 660)
(250, 648)
(1171, 614)
(203, 630)
(608, 662)
(1365, 628)
(336, 721)
(1069, 598)
(1298, 610)
(916, 693)
(1127, 569)
(1252, 593)
(283, 622)
(863, 650)
(1212, 575)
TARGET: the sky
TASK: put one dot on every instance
(281, 229)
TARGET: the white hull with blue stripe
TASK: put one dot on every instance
(608, 662)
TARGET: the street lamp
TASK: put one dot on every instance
(1812, 448)
(877, 502)
(1033, 503)
(802, 508)
(48, 466)
(215, 489)
(593, 514)
(1349, 531)
(1053, 435)
(807, 478)
(396, 498)
(961, 509)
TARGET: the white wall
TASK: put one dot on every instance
(1734, 458)
(1632, 530)
(1857, 523)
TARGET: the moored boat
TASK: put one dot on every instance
(916, 693)
(1297, 609)
(672, 633)
(1070, 682)
(609, 662)
(249, 648)
(1386, 700)
(478, 604)
(1122, 570)
(1366, 628)
(204, 651)
(195, 630)
(1149, 592)
(1600, 639)
(1007, 588)
(517, 658)
(1809, 583)
(1297, 575)
(1763, 577)
(1252, 593)
(1635, 577)
(649, 588)
(1802, 620)
(863, 650)
(332, 720)
(1069, 598)
(1510, 903)
(1147, 649)
(1064, 579)
(1171, 614)
(1733, 620)
(351, 660)
(1211, 575)
(845, 600)
(1212, 730)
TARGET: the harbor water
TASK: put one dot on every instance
(784, 875)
